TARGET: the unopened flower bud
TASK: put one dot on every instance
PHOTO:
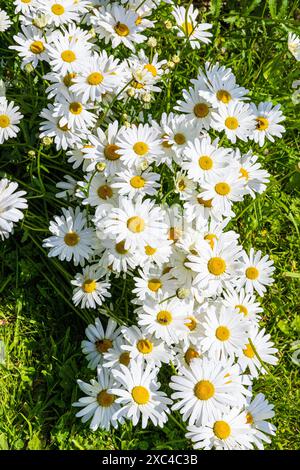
(146, 97)
(28, 68)
(152, 42)
(182, 293)
(176, 59)
(31, 153)
(168, 24)
(130, 92)
(101, 166)
(41, 21)
(47, 141)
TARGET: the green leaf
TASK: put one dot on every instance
(272, 4)
(215, 7)
(250, 7)
(3, 442)
(35, 443)
(284, 327)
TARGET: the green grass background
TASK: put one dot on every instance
(40, 328)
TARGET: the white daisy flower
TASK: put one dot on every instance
(188, 26)
(228, 430)
(98, 190)
(203, 390)
(71, 239)
(63, 136)
(236, 119)
(98, 404)
(66, 53)
(118, 25)
(220, 85)
(243, 303)
(185, 353)
(138, 144)
(12, 205)
(77, 156)
(152, 65)
(146, 347)
(25, 6)
(68, 186)
(258, 411)
(73, 113)
(105, 151)
(94, 79)
(59, 12)
(116, 257)
(203, 157)
(31, 47)
(164, 318)
(184, 186)
(134, 183)
(60, 84)
(139, 394)
(178, 133)
(267, 119)
(199, 209)
(156, 253)
(5, 22)
(225, 333)
(9, 118)
(217, 267)
(223, 188)
(90, 290)
(153, 282)
(137, 223)
(99, 341)
(195, 107)
(294, 45)
(247, 357)
(256, 272)
(251, 173)
(116, 355)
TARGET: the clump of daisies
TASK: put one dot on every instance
(197, 292)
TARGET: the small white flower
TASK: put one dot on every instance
(12, 205)
(90, 290)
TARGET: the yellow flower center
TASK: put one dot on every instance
(149, 250)
(57, 9)
(222, 333)
(244, 173)
(154, 285)
(104, 192)
(252, 273)
(103, 345)
(144, 346)
(249, 418)
(211, 237)
(71, 239)
(204, 203)
(140, 148)
(95, 78)
(138, 20)
(63, 128)
(110, 152)
(222, 189)
(124, 359)
(181, 184)
(137, 85)
(105, 399)
(26, 1)
(137, 182)
(216, 266)
(164, 317)
(190, 354)
(152, 69)
(121, 29)
(89, 286)
(224, 96)
(4, 121)
(140, 395)
(242, 309)
(231, 123)
(135, 224)
(37, 47)
(76, 108)
(205, 162)
(262, 123)
(248, 351)
(204, 390)
(68, 79)
(221, 429)
(180, 139)
(191, 323)
(120, 248)
(201, 110)
(68, 56)
(187, 27)
(174, 234)
(165, 143)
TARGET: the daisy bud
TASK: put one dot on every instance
(124, 116)
(47, 141)
(31, 153)
(144, 165)
(168, 24)
(182, 293)
(28, 68)
(176, 59)
(171, 64)
(127, 124)
(152, 42)
(41, 21)
(146, 97)
(130, 92)
(101, 167)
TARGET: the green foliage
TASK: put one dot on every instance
(40, 327)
